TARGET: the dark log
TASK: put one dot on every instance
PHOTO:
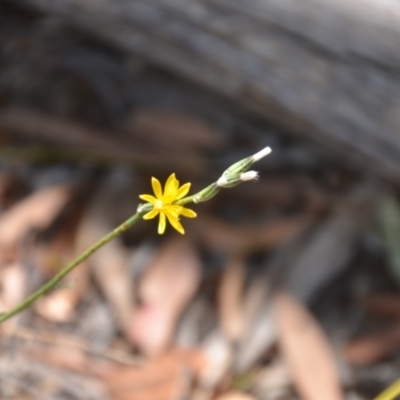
(326, 70)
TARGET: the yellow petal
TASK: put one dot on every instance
(173, 209)
(156, 187)
(187, 212)
(148, 197)
(175, 223)
(161, 224)
(151, 214)
(183, 191)
(171, 187)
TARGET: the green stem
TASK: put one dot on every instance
(204, 195)
(142, 210)
(185, 200)
(66, 270)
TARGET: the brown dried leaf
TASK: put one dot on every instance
(13, 286)
(170, 282)
(195, 320)
(112, 275)
(235, 396)
(218, 355)
(230, 299)
(259, 336)
(59, 306)
(50, 257)
(306, 350)
(56, 340)
(375, 347)
(36, 211)
(109, 268)
(165, 378)
(84, 385)
(109, 265)
(74, 359)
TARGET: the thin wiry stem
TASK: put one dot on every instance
(52, 283)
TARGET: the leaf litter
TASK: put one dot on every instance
(201, 312)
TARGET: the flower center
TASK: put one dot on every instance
(158, 204)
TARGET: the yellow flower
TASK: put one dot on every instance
(163, 203)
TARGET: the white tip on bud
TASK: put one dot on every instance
(222, 181)
(261, 154)
(249, 176)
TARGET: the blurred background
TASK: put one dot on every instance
(284, 289)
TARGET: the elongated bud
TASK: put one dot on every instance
(228, 181)
(261, 154)
(246, 163)
(239, 167)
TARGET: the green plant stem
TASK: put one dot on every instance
(52, 283)
(66, 270)
(199, 197)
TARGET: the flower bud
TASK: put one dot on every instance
(228, 181)
(261, 154)
(239, 167)
(246, 163)
(249, 176)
